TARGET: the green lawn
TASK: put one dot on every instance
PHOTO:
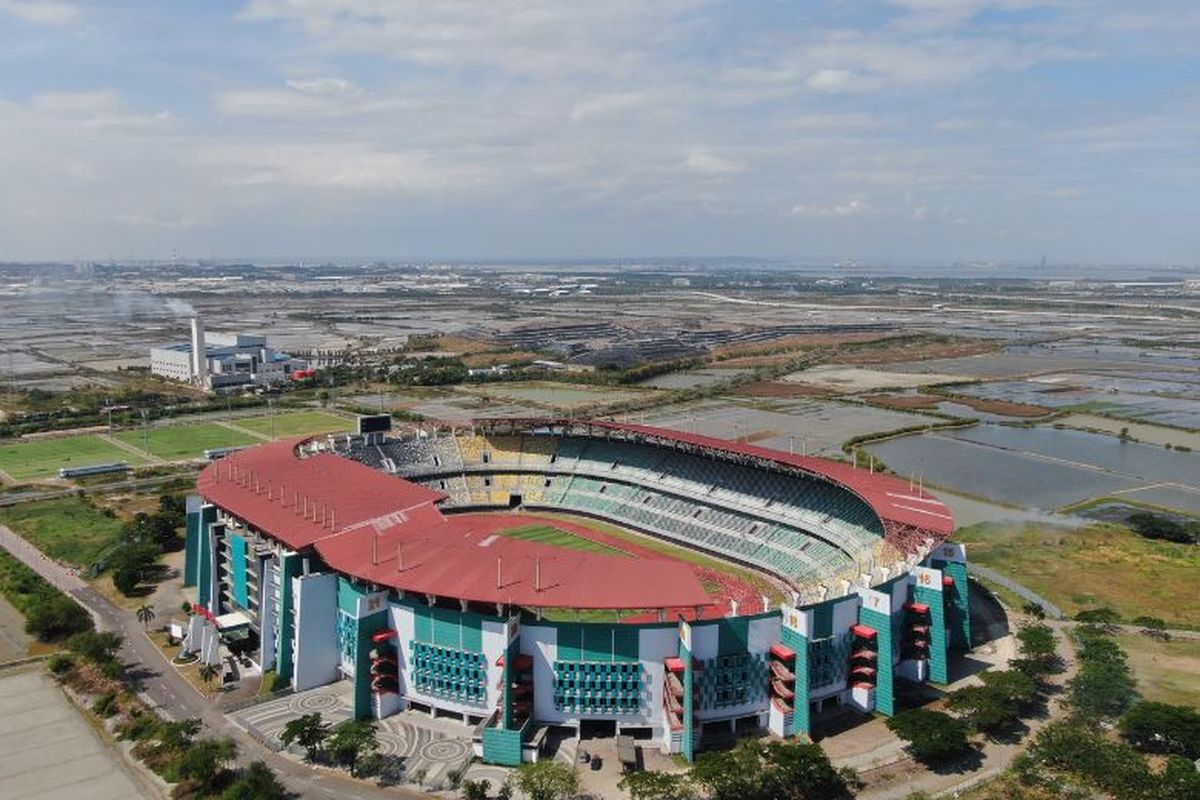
(556, 537)
(65, 528)
(1100, 564)
(42, 458)
(1165, 671)
(296, 423)
(675, 551)
(177, 442)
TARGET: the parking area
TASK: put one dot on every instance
(48, 750)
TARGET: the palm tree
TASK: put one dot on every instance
(208, 673)
(145, 615)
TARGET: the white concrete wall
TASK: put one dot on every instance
(316, 647)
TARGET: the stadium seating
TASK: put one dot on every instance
(802, 529)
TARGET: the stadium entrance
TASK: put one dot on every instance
(514, 501)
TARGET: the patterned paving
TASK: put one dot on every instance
(419, 745)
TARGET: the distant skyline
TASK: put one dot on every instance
(895, 131)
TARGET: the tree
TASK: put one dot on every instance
(97, 647)
(1039, 651)
(983, 708)
(769, 771)
(474, 790)
(352, 741)
(308, 731)
(1013, 685)
(547, 780)
(931, 735)
(208, 673)
(257, 782)
(145, 615)
(1162, 728)
(55, 616)
(204, 764)
(657, 786)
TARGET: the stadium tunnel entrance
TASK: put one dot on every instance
(514, 501)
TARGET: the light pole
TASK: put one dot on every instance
(145, 433)
(271, 413)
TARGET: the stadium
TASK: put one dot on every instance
(529, 574)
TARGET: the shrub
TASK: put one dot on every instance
(106, 705)
(1162, 728)
(61, 663)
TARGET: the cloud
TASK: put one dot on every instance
(323, 86)
(851, 208)
(706, 162)
(43, 12)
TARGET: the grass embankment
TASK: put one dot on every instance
(1080, 568)
(557, 537)
(1166, 671)
(43, 458)
(177, 442)
(66, 529)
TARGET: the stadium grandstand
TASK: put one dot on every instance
(597, 576)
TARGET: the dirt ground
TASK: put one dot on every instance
(848, 379)
(923, 401)
(777, 389)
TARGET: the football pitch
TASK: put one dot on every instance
(294, 423)
(43, 458)
(557, 537)
(178, 442)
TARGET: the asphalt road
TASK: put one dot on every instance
(170, 692)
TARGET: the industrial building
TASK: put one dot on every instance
(223, 360)
(381, 561)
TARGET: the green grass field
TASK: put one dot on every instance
(1166, 671)
(556, 537)
(681, 553)
(43, 458)
(177, 442)
(296, 423)
(1078, 568)
(65, 528)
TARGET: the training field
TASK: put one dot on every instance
(557, 537)
(178, 442)
(64, 528)
(295, 423)
(43, 458)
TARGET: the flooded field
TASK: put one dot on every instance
(1045, 468)
(1086, 394)
(818, 426)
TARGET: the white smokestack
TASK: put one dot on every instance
(199, 362)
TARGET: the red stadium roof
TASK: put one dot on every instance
(362, 521)
(457, 559)
(300, 500)
(340, 506)
(891, 498)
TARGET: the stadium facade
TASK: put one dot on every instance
(363, 558)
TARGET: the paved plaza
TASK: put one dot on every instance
(421, 744)
(47, 750)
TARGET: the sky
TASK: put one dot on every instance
(897, 131)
